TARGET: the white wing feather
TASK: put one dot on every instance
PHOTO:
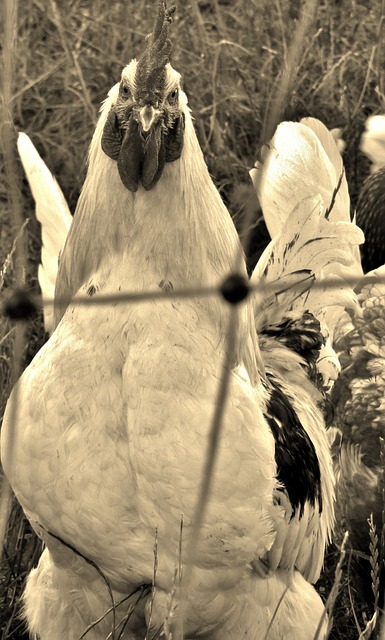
(53, 214)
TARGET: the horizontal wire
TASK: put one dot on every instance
(137, 296)
(193, 292)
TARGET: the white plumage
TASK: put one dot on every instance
(52, 212)
(115, 411)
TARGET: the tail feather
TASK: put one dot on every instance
(297, 164)
(341, 208)
(308, 243)
(302, 188)
(301, 185)
(53, 214)
(301, 161)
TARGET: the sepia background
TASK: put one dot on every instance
(232, 54)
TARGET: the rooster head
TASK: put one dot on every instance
(145, 125)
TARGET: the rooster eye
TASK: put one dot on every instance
(172, 97)
(124, 91)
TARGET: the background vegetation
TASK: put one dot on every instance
(231, 53)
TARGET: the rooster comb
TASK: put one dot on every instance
(150, 71)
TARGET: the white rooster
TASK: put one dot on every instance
(114, 414)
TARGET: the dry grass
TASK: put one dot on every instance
(67, 55)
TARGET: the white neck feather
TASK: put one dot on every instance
(179, 231)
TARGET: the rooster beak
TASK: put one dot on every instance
(147, 116)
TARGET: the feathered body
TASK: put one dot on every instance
(370, 215)
(114, 413)
(116, 417)
(358, 397)
(358, 393)
(360, 342)
(371, 202)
